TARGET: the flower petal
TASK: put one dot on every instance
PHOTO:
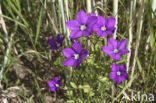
(86, 33)
(118, 80)
(53, 47)
(91, 21)
(110, 31)
(113, 75)
(112, 43)
(56, 79)
(115, 67)
(124, 75)
(60, 83)
(83, 54)
(122, 68)
(53, 88)
(92, 14)
(122, 44)
(104, 34)
(68, 52)
(69, 62)
(51, 83)
(115, 56)
(76, 34)
(60, 39)
(123, 51)
(110, 22)
(52, 43)
(76, 47)
(97, 27)
(73, 25)
(82, 17)
(107, 50)
(77, 63)
(99, 33)
(101, 20)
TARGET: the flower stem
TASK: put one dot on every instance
(55, 98)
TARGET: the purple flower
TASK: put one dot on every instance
(115, 49)
(55, 43)
(104, 27)
(74, 55)
(55, 84)
(60, 39)
(118, 73)
(82, 26)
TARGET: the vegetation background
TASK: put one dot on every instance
(27, 64)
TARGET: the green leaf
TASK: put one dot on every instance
(102, 79)
(73, 85)
(91, 94)
(70, 101)
(86, 88)
(39, 25)
(139, 65)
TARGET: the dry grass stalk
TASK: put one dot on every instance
(115, 12)
(132, 6)
(138, 35)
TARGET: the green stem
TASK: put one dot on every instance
(55, 98)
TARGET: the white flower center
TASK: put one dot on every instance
(103, 28)
(118, 73)
(116, 51)
(57, 85)
(83, 27)
(76, 56)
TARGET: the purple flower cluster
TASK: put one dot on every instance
(116, 50)
(55, 43)
(84, 25)
(55, 84)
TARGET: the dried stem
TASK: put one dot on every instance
(132, 6)
(2, 22)
(138, 35)
(148, 39)
(61, 6)
(115, 12)
(94, 3)
(89, 6)
(6, 57)
(51, 20)
(67, 18)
